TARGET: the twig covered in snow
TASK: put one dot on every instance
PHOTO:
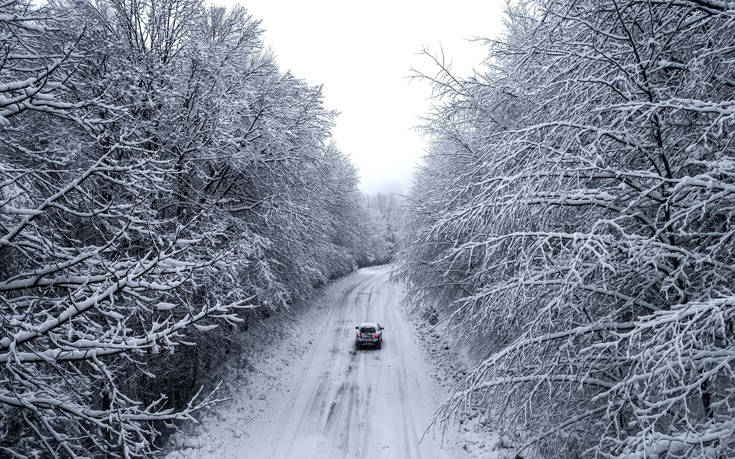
(160, 179)
(575, 215)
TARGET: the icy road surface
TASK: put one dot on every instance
(339, 402)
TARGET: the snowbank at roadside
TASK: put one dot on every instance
(264, 356)
(450, 363)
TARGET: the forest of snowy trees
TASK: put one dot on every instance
(161, 181)
(163, 184)
(384, 222)
(575, 217)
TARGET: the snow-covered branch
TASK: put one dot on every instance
(574, 222)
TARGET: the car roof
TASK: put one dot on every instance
(368, 324)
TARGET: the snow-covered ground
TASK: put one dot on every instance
(478, 432)
(303, 391)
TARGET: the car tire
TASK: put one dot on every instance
(380, 344)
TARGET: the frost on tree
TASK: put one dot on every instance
(93, 274)
(160, 179)
(576, 214)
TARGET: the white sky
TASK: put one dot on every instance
(362, 53)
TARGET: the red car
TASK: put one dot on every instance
(369, 334)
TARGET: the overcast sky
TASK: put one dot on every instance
(362, 53)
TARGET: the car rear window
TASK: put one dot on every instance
(367, 330)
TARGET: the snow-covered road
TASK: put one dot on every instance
(338, 402)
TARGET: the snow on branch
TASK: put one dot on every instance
(574, 222)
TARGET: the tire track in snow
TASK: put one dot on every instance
(339, 402)
(317, 401)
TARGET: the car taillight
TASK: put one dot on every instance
(377, 335)
(358, 335)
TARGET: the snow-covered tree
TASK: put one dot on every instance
(575, 217)
(384, 215)
(159, 177)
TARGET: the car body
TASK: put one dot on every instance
(369, 334)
